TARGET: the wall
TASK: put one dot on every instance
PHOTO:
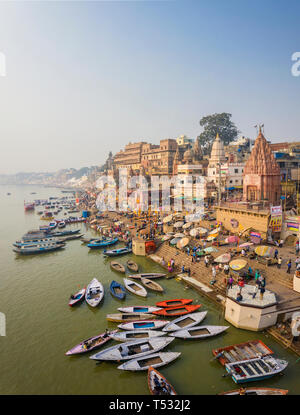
(249, 318)
(247, 219)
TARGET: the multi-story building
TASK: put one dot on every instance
(158, 159)
(130, 157)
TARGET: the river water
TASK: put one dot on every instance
(41, 327)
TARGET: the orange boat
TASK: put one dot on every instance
(174, 303)
(177, 311)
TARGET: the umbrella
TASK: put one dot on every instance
(166, 237)
(246, 244)
(232, 239)
(223, 259)
(238, 264)
(212, 237)
(264, 251)
(179, 235)
(187, 225)
(174, 241)
(210, 249)
(167, 219)
(183, 242)
(215, 231)
(178, 224)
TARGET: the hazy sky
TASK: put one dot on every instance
(84, 78)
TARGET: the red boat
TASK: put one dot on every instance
(177, 311)
(29, 206)
(174, 303)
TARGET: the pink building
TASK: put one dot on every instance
(261, 174)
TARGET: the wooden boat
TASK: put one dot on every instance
(88, 240)
(120, 317)
(136, 334)
(199, 332)
(65, 233)
(46, 240)
(38, 248)
(144, 325)
(152, 285)
(149, 275)
(153, 360)
(132, 266)
(186, 321)
(158, 384)
(77, 298)
(241, 351)
(100, 243)
(255, 369)
(133, 349)
(117, 252)
(174, 303)
(117, 290)
(71, 237)
(116, 266)
(135, 288)
(177, 311)
(92, 343)
(94, 293)
(256, 391)
(138, 309)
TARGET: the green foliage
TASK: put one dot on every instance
(217, 123)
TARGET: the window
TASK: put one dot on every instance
(236, 170)
(230, 181)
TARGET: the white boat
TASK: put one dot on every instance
(186, 321)
(135, 288)
(153, 360)
(199, 332)
(133, 349)
(255, 369)
(144, 325)
(139, 309)
(136, 334)
(94, 293)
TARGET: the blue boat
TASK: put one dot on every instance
(117, 290)
(101, 243)
(117, 252)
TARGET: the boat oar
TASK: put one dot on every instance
(226, 375)
(217, 356)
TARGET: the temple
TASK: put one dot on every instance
(261, 174)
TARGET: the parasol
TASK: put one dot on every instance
(187, 225)
(245, 245)
(178, 224)
(167, 219)
(264, 251)
(232, 239)
(179, 235)
(223, 259)
(182, 243)
(174, 241)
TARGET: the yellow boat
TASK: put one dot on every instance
(47, 218)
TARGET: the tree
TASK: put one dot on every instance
(217, 123)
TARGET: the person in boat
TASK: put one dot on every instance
(242, 391)
(72, 297)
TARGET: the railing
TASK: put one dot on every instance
(253, 206)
